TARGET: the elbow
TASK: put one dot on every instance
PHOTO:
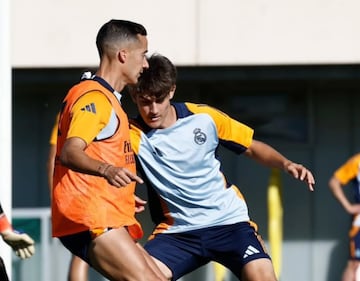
(330, 183)
(333, 183)
(65, 159)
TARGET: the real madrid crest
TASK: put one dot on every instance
(199, 137)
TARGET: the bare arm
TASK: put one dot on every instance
(268, 156)
(337, 190)
(50, 166)
(51, 156)
(74, 157)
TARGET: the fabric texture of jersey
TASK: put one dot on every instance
(187, 150)
(83, 202)
(350, 173)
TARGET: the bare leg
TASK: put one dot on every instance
(258, 270)
(349, 273)
(357, 271)
(115, 255)
(78, 269)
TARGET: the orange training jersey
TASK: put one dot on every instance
(83, 202)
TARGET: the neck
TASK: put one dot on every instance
(172, 117)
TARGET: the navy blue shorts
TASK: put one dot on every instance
(231, 245)
(355, 243)
(78, 244)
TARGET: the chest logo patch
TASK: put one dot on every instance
(199, 137)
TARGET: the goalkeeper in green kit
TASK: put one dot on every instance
(21, 243)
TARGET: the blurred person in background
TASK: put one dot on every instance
(349, 172)
(21, 243)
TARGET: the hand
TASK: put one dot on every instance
(139, 204)
(298, 171)
(353, 209)
(21, 243)
(120, 177)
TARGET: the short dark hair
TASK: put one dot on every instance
(117, 30)
(157, 80)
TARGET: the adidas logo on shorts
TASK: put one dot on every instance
(250, 251)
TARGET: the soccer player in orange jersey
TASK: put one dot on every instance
(349, 172)
(93, 201)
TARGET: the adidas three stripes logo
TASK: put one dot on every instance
(89, 107)
(250, 251)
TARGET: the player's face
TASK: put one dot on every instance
(136, 60)
(157, 114)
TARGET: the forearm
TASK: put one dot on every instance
(267, 156)
(81, 162)
(337, 190)
(74, 157)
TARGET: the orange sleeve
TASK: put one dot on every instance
(349, 170)
(92, 108)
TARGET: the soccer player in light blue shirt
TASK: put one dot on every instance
(199, 215)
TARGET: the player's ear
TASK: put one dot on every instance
(172, 91)
(122, 55)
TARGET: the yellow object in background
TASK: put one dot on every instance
(220, 271)
(275, 219)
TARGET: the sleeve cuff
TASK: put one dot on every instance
(4, 223)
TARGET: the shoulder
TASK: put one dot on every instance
(220, 118)
(204, 108)
(93, 101)
(349, 169)
(185, 109)
(355, 158)
(353, 161)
